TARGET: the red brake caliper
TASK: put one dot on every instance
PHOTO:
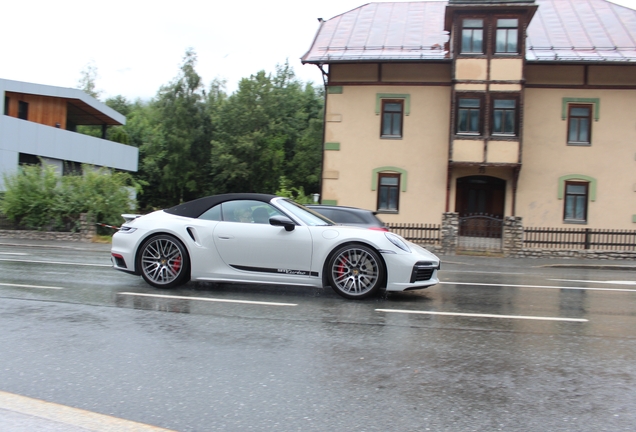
(177, 264)
(341, 267)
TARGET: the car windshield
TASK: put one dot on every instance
(308, 216)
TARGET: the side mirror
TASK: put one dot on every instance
(283, 221)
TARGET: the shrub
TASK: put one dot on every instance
(38, 198)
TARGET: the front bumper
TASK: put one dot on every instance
(416, 270)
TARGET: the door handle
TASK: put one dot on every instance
(226, 237)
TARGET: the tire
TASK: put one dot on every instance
(164, 262)
(355, 271)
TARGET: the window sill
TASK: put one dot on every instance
(580, 144)
(574, 222)
(380, 211)
(391, 137)
(469, 135)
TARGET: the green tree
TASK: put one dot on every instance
(87, 81)
(258, 131)
(176, 160)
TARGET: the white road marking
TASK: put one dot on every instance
(207, 299)
(471, 315)
(601, 282)
(30, 286)
(56, 262)
(538, 286)
(482, 272)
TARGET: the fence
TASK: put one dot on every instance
(417, 233)
(585, 238)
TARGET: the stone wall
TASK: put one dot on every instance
(512, 235)
(87, 232)
(449, 236)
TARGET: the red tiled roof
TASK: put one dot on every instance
(561, 30)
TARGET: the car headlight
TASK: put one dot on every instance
(398, 241)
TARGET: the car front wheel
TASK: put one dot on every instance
(355, 271)
(164, 262)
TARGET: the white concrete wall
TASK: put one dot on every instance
(20, 136)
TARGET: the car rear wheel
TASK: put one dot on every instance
(164, 262)
(355, 271)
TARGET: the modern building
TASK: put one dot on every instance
(505, 107)
(40, 122)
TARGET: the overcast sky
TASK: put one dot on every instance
(138, 45)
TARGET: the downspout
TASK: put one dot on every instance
(325, 81)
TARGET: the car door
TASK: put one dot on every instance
(258, 250)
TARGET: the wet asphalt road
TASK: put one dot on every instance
(500, 344)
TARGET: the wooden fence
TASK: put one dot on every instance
(579, 238)
(417, 233)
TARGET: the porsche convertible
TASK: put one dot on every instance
(265, 239)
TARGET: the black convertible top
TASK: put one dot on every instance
(196, 208)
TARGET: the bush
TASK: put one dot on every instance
(296, 194)
(38, 198)
(30, 197)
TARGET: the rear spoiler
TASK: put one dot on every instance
(130, 217)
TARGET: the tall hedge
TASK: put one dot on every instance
(37, 198)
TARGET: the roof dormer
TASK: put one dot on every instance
(488, 28)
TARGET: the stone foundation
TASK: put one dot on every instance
(87, 232)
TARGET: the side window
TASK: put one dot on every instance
(504, 119)
(346, 217)
(469, 116)
(579, 124)
(392, 117)
(507, 37)
(7, 103)
(213, 214)
(472, 36)
(576, 198)
(388, 191)
(247, 211)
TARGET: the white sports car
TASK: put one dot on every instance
(262, 238)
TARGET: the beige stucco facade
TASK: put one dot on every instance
(361, 152)
(610, 160)
(355, 153)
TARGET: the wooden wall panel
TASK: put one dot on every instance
(42, 109)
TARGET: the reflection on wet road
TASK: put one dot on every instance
(498, 345)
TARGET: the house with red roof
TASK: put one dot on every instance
(522, 108)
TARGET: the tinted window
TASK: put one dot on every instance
(247, 211)
(213, 214)
(343, 216)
